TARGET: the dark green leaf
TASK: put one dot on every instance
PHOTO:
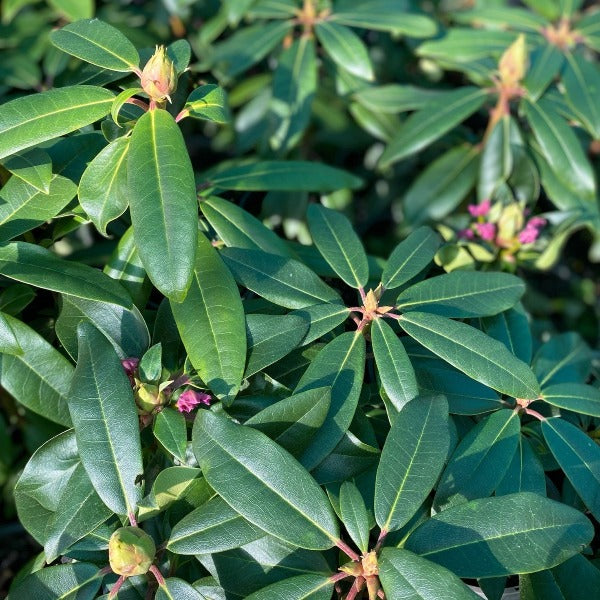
(208, 102)
(496, 159)
(581, 79)
(33, 167)
(394, 98)
(565, 358)
(525, 473)
(177, 589)
(545, 64)
(354, 515)
(301, 587)
(322, 318)
(170, 430)
(511, 327)
(576, 397)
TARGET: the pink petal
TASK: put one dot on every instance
(487, 231)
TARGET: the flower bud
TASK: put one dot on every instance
(159, 77)
(513, 63)
(510, 222)
(369, 564)
(130, 551)
(148, 397)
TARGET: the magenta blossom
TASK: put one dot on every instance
(130, 366)
(466, 234)
(480, 210)
(487, 231)
(189, 399)
(532, 230)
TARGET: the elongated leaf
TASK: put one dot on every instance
(581, 79)
(301, 587)
(211, 323)
(294, 421)
(565, 358)
(283, 281)
(496, 159)
(474, 353)
(545, 64)
(480, 461)
(212, 527)
(292, 175)
(393, 365)
(238, 228)
(23, 207)
(170, 430)
(577, 397)
(340, 364)
(103, 192)
(41, 268)
(106, 422)
(411, 460)
(561, 148)
(511, 327)
(579, 457)
(432, 122)
(39, 376)
(354, 515)
(162, 202)
(177, 589)
(394, 98)
(74, 9)
(410, 257)
(333, 235)
(208, 102)
(30, 120)
(345, 48)
(77, 581)
(406, 576)
(322, 318)
(33, 167)
(98, 43)
(477, 539)
(525, 473)
(501, 16)
(463, 294)
(240, 462)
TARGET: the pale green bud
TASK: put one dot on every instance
(130, 551)
(159, 77)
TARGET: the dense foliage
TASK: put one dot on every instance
(279, 315)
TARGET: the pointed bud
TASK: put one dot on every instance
(510, 222)
(159, 77)
(130, 551)
(370, 302)
(369, 564)
(513, 63)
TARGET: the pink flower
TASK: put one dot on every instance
(480, 210)
(189, 399)
(487, 231)
(466, 234)
(532, 230)
(130, 366)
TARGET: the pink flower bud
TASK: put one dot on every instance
(130, 366)
(487, 231)
(189, 399)
(159, 77)
(480, 210)
(466, 234)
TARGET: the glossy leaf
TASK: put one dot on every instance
(474, 353)
(395, 98)
(496, 159)
(74, 9)
(208, 102)
(564, 358)
(33, 119)
(340, 364)
(576, 397)
(103, 192)
(354, 515)
(322, 318)
(480, 461)
(212, 527)
(337, 241)
(545, 64)
(98, 43)
(411, 460)
(106, 422)
(301, 587)
(162, 202)
(525, 473)
(41, 268)
(406, 576)
(283, 281)
(33, 167)
(177, 589)
(240, 462)
(581, 79)
(170, 430)
(579, 457)
(478, 538)
(511, 327)
(211, 323)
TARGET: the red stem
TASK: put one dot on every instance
(159, 577)
(347, 550)
(356, 587)
(338, 577)
(115, 588)
(535, 413)
(132, 520)
(380, 539)
(182, 115)
(392, 315)
(361, 291)
(138, 102)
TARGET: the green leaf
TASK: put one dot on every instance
(33, 119)
(337, 241)
(170, 430)
(74, 9)
(211, 323)
(33, 167)
(76, 581)
(125, 328)
(180, 52)
(474, 353)
(301, 587)
(283, 281)
(579, 457)
(240, 462)
(565, 358)
(354, 515)
(23, 207)
(238, 228)
(98, 43)
(39, 376)
(525, 473)
(103, 192)
(208, 102)
(212, 527)
(411, 460)
(410, 257)
(393, 365)
(496, 159)
(162, 202)
(545, 64)
(406, 576)
(322, 318)
(120, 100)
(106, 422)
(581, 79)
(177, 589)
(41, 268)
(499, 17)
(561, 148)
(294, 86)
(395, 98)
(478, 538)
(511, 327)
(576, 397)
(9, 344)
(150, 367)
(480, 460)
(270, 338)
(289, 175)
(345, 48)
(463, 294)
(340, 364)
(432, 122)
